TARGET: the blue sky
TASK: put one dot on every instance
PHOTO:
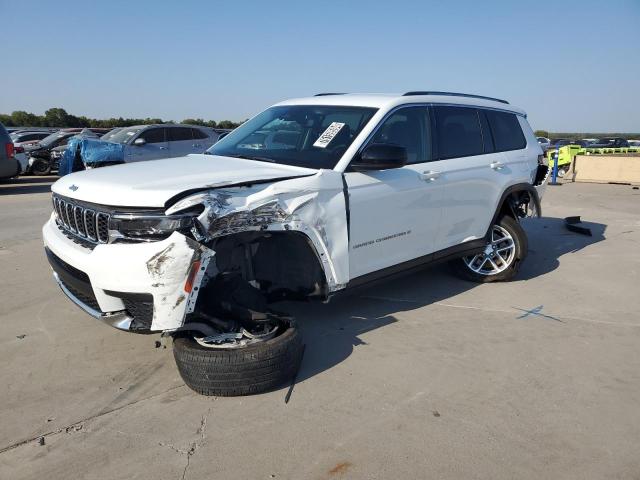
(572, 65)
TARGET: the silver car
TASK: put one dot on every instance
(152, 142)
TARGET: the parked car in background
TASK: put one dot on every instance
(39, 155)
(559, 142)
(137, 143)
(634, 143)
(152, 142)
(23, 160)
(544, 142)
(8, 162)
(25, 138)
(610, 142)
(583, 143)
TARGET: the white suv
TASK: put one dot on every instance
(305, 200)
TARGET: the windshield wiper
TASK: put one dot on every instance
(250, 157)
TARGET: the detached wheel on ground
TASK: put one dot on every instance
(232, 371)
(502, 256)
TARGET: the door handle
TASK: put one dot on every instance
(429, 175)
(497, 165)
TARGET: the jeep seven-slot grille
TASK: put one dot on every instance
(81, 221)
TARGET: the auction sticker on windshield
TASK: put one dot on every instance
(328, 135)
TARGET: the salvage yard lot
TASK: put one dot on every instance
(425, 376)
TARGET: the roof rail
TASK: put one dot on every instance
(454, 94)
(325, 94)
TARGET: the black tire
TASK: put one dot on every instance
(521, 247)
(41, 167)
(239, 371)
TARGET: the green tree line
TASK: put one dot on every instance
(58, 117)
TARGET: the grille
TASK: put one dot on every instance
(84, 222)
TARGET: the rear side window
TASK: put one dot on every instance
(506, 131)
(459, 133)
(153, 135)
(198, 134)
(178, 134)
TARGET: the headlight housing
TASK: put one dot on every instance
(133, 227)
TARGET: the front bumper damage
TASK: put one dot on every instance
(153, 286)
(106, 281)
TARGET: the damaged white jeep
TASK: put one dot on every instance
(309, 198)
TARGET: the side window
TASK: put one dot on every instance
(506, 130)
(408, 127)
(198, 134)
(459, 133)
(178, 134)
(153, 135)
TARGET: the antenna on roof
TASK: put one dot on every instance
(454, 94)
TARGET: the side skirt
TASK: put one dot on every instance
(395, 271)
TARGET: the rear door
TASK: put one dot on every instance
(155, 146)
(472, 174)
(181, 141)
(203, 139)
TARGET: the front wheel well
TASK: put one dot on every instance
(283, 265)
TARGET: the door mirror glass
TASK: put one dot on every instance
(139, 141)
(380, 156)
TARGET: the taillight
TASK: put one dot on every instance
(9, 148)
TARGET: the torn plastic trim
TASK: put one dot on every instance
(314, 206)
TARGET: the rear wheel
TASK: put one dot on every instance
(238, 364)
(501, 257)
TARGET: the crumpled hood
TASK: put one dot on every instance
(152, 183)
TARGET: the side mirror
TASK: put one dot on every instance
(139, 142)
(380, 156)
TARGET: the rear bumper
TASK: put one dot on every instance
(137, 287)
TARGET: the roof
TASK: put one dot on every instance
(391, 100)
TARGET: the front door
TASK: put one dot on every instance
(155, 146)
(395, 214)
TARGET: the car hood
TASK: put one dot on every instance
(153, 183)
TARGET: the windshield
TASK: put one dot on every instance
(124, 135)
(53, 138)
(110, 134)
(300, 135)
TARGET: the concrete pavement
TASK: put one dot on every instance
(426, 376)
